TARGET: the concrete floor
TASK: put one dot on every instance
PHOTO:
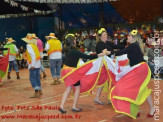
(15, 102)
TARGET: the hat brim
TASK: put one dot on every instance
(32, 41)
(11, 41)
(52, 37)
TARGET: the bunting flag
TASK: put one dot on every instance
(131, 90)
(4, 61)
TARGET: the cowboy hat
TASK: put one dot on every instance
(34, 35)
(10, 40)
(161, 31)
(153, 43)
(122, 35)
(29, 39)
(52, 35)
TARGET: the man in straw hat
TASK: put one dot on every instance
(34, 64)
(41, 49)
(54, 50)
(12, 57)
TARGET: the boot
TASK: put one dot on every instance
(36, 95)
(59, 81)
(44, 75)
(40, 92)
(54, 83)
(17, 74)
(8, 76)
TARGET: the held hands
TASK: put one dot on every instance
(104, 52)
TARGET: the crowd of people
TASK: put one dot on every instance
(71, 49)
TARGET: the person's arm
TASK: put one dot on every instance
(116, 46)
(47, 46)
(32, 54)
(82, 55)
(121, 52)
(16, 49)
(100, 47)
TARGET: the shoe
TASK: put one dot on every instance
(54, 83)
(150, 116)
(138, 114)
(36, 95)
(40, 92)
(99, 102)
(62, 111)
(76, 110)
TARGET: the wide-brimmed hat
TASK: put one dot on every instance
(34, 35)
(10, 40)
(153, 43)
(161, 31)
(52, 35)
(115, 34)
(29, 39)
(122, 35)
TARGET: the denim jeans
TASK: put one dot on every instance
(34, 75)
(151, 66)
(55, 67)
(42, 67)
(14, 65)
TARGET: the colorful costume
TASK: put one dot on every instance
(127, 85)
(4, 61)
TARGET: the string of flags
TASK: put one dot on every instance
(67, 1)
(24, 8)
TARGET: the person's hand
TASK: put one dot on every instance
(32, 67)
(101, 54)
(107, 52)
(104, 50)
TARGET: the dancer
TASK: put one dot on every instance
(34, 64)
(12, 57)
(71, 61)
(3, 64)
(136, 79)
(102, 44)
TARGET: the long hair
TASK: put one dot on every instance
(137, 38)
(69, 44)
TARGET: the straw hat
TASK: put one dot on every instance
(153, 43)
(121, 35)
(115, 34)
(34, 35)
(10, 40)
(161, 31)
(52, 35)
(29, 39)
